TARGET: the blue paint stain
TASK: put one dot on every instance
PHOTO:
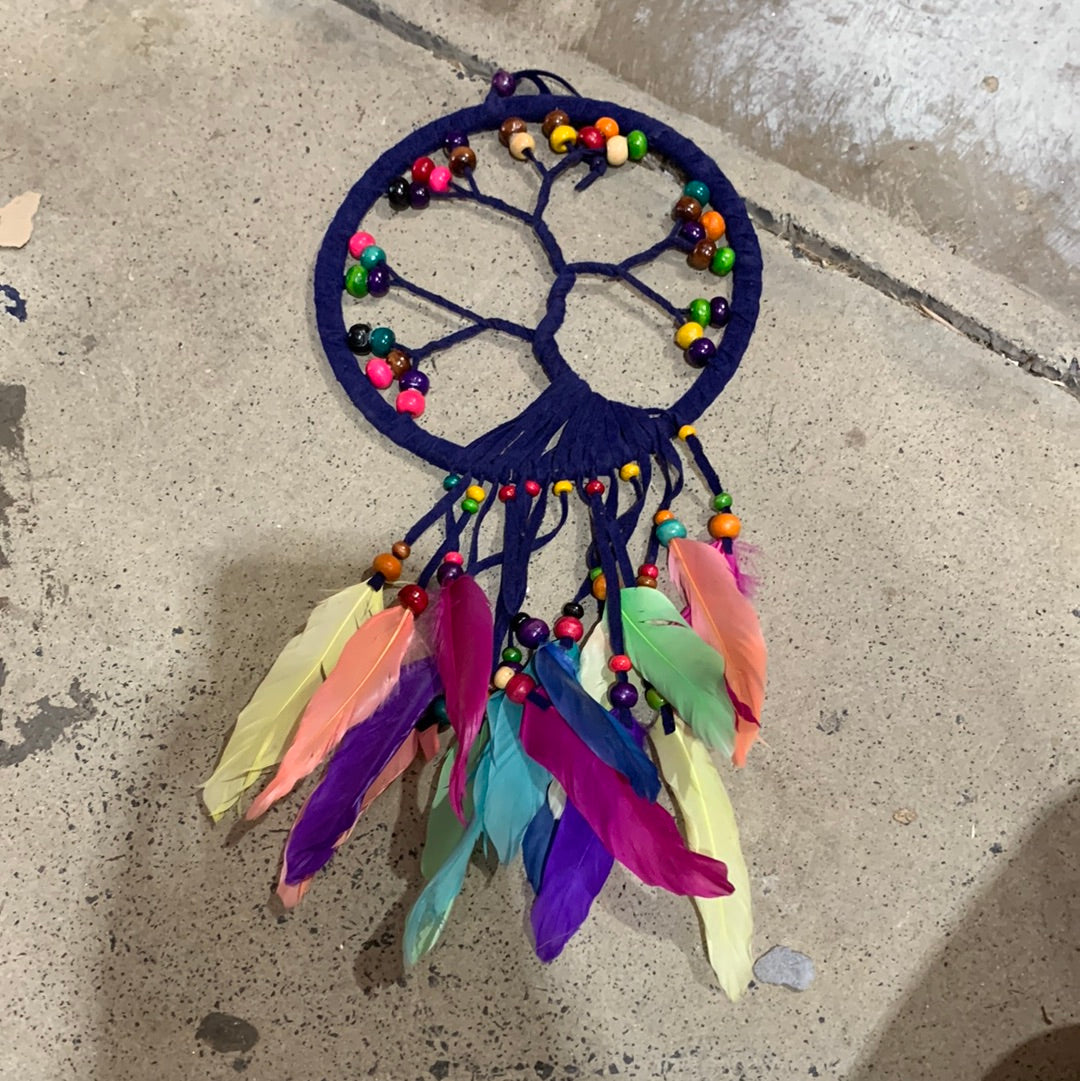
(17, 307)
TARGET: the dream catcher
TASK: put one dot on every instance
(562, 732)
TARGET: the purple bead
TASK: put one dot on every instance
(512, 664)
(447, 572)
(453, 141)
(693, 231)
(533, 633)
(503, 83)
(414, 380)
(378, 280)
(419, 195)
(700, 353)
(720, 311)
(623, 695)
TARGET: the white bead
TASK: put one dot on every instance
(503, 675)
(522, 141)
(617, 150)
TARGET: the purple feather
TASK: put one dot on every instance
(334, 805)
(575, 871)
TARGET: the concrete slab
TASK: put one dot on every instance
(184, 480)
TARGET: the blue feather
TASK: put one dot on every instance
(537, 843)
(598, 729)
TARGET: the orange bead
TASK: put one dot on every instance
(724, 525)
(389, 566)
(599, 588)
(713, 224)
(662, 516)
(607, 127)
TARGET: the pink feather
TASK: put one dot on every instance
(464, 645)
(640, 835)
(737, 558)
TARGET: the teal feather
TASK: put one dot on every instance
(687, 671)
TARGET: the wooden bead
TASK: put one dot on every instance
(503, 674)
(638, 145)
(688, 333)
(562, 138)
(662, 516)
(594, 487)
(617, 150)
(724, 525)
(686, 209)
(607, 127)
(532, 488)
(554, 119)
(686, 431)
(714, 225)
(702, 254)
(562, 487)
(723, 261)
(400, 550)
(520, 687)
(591, 138)
(474, 491)
(399, 362)
(462, 160)
(387, 565)
(569, 627)
(629, 471)
(521, 144)
(414, 598)
(649, 570)
(646, 582)
(619, 663)
(599, 587)
(507, 492)
(509, 128)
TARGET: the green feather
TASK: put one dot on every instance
(444, 830)
(689, 673)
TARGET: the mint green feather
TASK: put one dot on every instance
(444, 829)
(670, 654)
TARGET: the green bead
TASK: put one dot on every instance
(512, 655)
(654, 699)
(371, 256)
(381, 341)
(469, 506)
(595, 573)
(697, 190)
(637, 146)
(700, 311)
(438, 707)
(723, 261)
(721, 501)
(356, 281)
(451, 480)
(669, 530)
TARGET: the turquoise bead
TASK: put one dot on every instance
(697, 190)
(371, 256)
(381, 341)
(356, 281)
(438, 707)
(721, 501)
(451, 480)
(669, 530)
(700, 311)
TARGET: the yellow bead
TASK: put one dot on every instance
(686, 431)
(629, 471)
(503, 675)
(562, 138)
(474, 491)
(521, 144)
(562, 487)
(688, 333)
(617, 150)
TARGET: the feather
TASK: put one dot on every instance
(360, 682)
(516, 785)
(265, 724)
(593, 672)
(609, 740)
(640, 835)
(737, 558)
(710, 828)
(726, 620)
(427, 918)
(366, 750)
(575, 871)
(444, 829)
(536, 844)
(464, 644)
(687, 671)
(428, 738)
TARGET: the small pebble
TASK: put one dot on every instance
(905, 816)
(786, 968)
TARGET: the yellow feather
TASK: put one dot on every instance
(710, 828)
(266, 723)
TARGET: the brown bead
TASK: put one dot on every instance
(646, 581)
(599, 588)
(387, 565)
(399, 362)
(686, 209)
(401, 550)
(462, 160)
(702, 254)
(552, 121)
(511, 126)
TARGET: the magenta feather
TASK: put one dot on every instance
(745, 579)
(464, 645)
(640, 835)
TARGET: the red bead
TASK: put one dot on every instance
(649, 570)
(453, 557)
(532, 488)
(569, 627)
(591, 138)
(594, 487)
(414, 598)
(507, 492)
(519, 688)
(421, 169)
(620, 663)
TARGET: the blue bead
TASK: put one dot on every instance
(697, 190)
(669, 530)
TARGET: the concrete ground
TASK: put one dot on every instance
(183, 479)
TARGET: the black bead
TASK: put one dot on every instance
(359, 338)
(397, 191)
(519, 621)
(573, 610)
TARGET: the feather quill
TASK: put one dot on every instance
(710, 828)
(464, 644)
(640, 835)
(726, 620)
(360, 682)
(597, 728)
(686, 670)
(265, 724)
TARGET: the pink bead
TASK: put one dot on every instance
(619, 663)
(379, 372)
(358, 242)
(453, 557)
(410, 401)
(568, 627)
(440, 179)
